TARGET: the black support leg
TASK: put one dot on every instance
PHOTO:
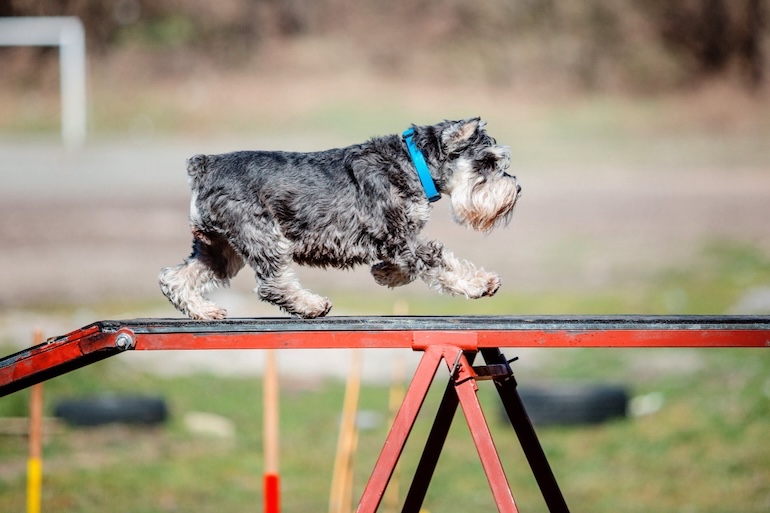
(433, 445)
(514, 407)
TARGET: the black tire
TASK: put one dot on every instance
(573, 404)
(107, 409)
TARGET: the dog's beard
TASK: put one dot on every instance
(483, 203)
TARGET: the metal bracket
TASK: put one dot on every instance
(487, 372)
(124, 341)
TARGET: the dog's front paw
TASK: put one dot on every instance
(207, 311)
(493, 284)
(483, 284)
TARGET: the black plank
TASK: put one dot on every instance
(576, 323)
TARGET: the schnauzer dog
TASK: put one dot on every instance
(364, 204)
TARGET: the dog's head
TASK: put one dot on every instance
(472, 169)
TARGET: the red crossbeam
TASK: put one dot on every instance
(419, 340)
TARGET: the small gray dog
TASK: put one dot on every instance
(364, 204)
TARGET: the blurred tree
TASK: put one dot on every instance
(715, 35)
(594, 44)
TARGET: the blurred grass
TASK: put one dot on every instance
(713, 281)
(704, 450)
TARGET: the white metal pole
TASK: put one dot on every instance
(72, 60)
(67, 33)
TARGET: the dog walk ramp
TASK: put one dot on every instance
(100, 340)
(456, 341)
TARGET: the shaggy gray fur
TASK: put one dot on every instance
(362, 204)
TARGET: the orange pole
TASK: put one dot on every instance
(272, 481)
(35, 460)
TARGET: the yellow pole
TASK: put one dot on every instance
(35, 461)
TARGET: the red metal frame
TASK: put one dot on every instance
(107, 338)
(418, 340)
(455, 340)
(466, 388)
(462, 388)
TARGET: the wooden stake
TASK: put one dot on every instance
(272, 498)
(35, 460)
(395, 398)
(340, 500)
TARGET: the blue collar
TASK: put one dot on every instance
(418, 159)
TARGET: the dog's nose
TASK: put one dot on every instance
(518, 189)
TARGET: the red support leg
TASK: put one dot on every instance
(466, 391)
(433, 446)
(399, 432)
(465, 387)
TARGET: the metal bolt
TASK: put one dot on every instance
(124, 341)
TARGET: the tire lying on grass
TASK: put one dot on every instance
(572, 404)
(108, 409)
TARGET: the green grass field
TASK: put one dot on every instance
(705, 450)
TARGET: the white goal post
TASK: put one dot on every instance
(67, 33)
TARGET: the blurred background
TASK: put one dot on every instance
(640, 132)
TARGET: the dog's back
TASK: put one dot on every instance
(258, 166)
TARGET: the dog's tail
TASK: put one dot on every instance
(196, 168)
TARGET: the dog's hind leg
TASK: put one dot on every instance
(212, 263)
(269, 253)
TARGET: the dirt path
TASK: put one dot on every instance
(98, 225)
(94, 228)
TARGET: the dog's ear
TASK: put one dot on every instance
(458, 133)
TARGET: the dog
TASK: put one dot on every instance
(363, 204)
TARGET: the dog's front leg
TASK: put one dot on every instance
(389, 274)
(441, 270)
(460, 277)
